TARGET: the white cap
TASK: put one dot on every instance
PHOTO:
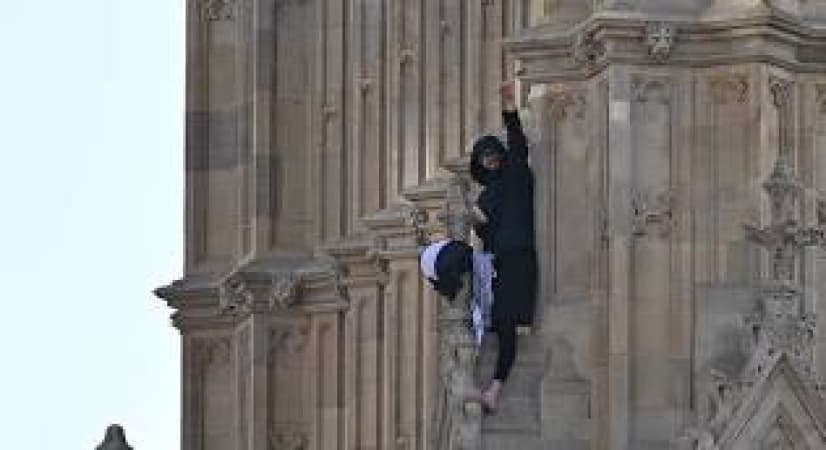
(427, 261)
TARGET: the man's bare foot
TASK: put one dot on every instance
(490, 397)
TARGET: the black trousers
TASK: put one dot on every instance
(506, 331)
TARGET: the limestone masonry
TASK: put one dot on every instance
(679, 148)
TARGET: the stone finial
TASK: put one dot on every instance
(115, 439)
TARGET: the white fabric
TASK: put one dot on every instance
(428, 259)
(483, 275)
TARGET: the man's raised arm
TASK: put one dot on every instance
(517, 143)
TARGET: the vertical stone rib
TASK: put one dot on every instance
(652, 119)
(432, 67)
(453, 65)
(244, 66)
(396, 97)
(474, 44)
(340, 23)
(356, 130)
(323, 112)
(335, 177)
(492, 62)
(817, 140)
(408, 63)
(189, 393)
(223, 182)
(197, 137)
(620, 260)
(263, 86)
(601, 269)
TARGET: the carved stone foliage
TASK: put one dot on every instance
(780, 337)
(567, 103)
(780, 327)
(288, 437)
(284, 292)
(652, 214)
(219, 10)
(728, 89)
(782, 94)
(588, 49)
(782, 434)
(290, 340)
(234, 293)
(210, 351)
(277, 289)
(718, 402)
(659, 38)
(652, 88)
(784, 237)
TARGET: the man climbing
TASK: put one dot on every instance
(505, 224)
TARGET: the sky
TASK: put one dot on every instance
(91, 189)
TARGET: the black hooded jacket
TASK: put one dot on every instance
(507, 197)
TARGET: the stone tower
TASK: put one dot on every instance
(680, 154)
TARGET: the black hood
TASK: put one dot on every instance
(483, 146)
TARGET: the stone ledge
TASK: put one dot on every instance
(772, 37)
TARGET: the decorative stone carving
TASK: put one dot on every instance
(564, 102)
(780, 328)
(288, 438)
(277, 288)
(784, 237)
(726, 89)
(219, 10)
(781, 92)
(460, 417)
(406, 56)
(652, 215)
(211, 351)
(284, 292)
(783, 434)
(648, 88)
(659, 38)
(233, 294)
(587, 49)
(781, 336)
(115, 439)
(290, 340)
(782, 97)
